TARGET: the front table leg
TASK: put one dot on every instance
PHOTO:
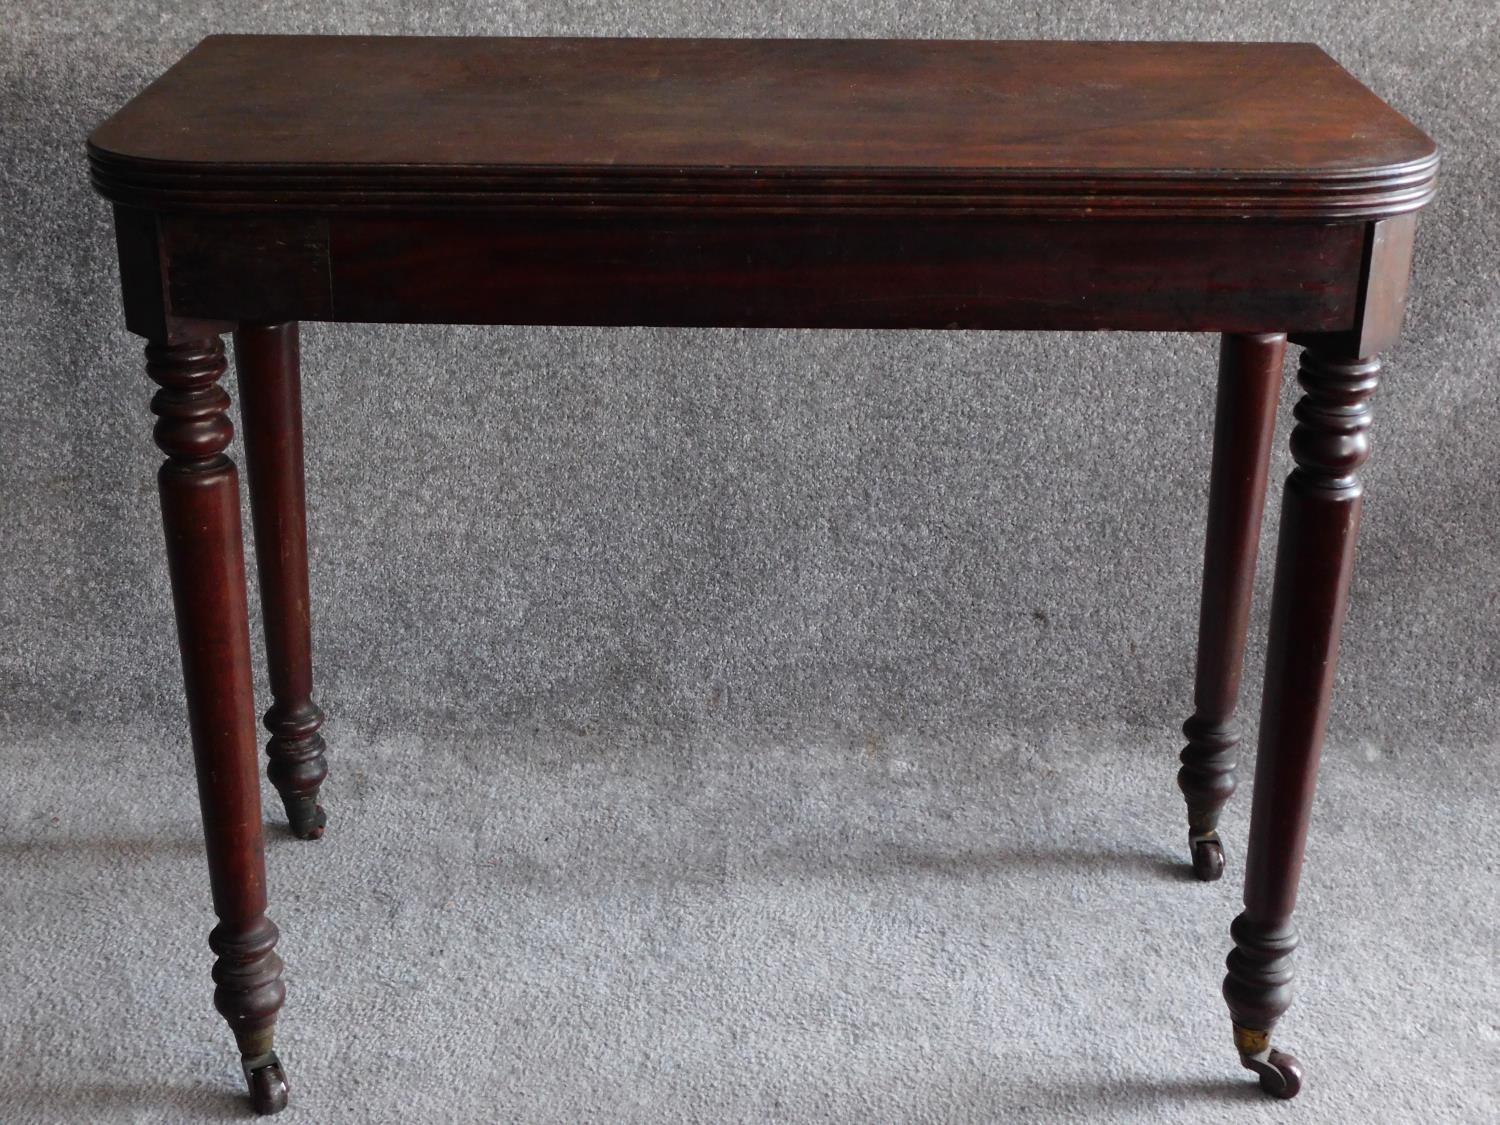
(201, 515)
(1314, 559)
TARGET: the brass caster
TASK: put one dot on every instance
(306, 816)
(1208, 856)
(267, 1082)
(1280, 1073)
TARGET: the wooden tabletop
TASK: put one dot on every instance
(1252, 129)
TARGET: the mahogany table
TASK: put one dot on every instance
(1254, 190)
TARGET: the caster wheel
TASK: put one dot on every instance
(267, 1082)
(1208, 859)
(306, 817)
(1280, 1074)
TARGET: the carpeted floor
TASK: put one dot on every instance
(641, 925)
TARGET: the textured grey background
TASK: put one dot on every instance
(595, 526)
(740, 622)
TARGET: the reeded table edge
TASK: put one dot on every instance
(1335, 194)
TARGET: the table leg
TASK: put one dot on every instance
(205, 557)
(1314, 559)
(1250, 371)
(266, 363)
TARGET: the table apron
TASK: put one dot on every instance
(769, 271)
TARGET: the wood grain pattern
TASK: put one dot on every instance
(1022, 128)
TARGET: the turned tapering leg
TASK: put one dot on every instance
(1250, 369)
(1314, 559)
(266, 362)
(205, 557)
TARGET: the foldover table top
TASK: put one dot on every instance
(1258, 130)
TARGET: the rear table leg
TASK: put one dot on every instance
(1250, 372)
(266, 361)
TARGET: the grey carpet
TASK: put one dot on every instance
(632, 924)
(787, 717)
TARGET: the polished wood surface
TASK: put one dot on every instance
(267, 364)
(764, 271)
(200, 508)
(1229, 129)
(1255, 190)
(1320, 512)
(1243, 188)
(1250, 375)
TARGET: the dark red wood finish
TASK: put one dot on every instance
(200, 508)
(756, 183)
(267, 365)
(1256, 190)
(767, 271)
(1250, 369)
(1229, 130)
(1314, 560)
